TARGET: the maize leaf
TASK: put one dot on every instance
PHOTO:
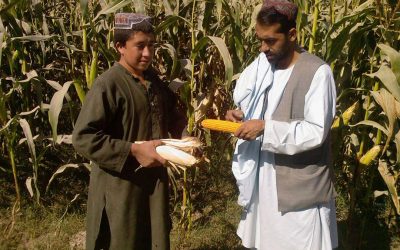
(390, 181)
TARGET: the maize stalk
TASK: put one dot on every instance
(370, 156)
(220, 125)
(314, 26)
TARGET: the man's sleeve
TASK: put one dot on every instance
(302, 135)
(90, 138)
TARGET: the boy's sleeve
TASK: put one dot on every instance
(90, 138)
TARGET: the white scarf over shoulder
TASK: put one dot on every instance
(249, 96)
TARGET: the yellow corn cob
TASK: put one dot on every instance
(349, 113)
(346, 116)
(370, 155)
(220, 125)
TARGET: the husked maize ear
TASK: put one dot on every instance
(220, 125)
(370, 155)
(181, 152)
(176, 156)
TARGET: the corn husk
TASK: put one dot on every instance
(370, 156)
(346, 116)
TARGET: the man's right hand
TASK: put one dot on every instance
(145, 153)
(234, 115)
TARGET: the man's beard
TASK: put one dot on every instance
(275, 58)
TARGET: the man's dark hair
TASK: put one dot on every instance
(123, 35)
(270, 16)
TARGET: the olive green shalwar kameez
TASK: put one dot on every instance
(126, 209)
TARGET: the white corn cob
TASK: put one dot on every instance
(176, 156)
(186, 143)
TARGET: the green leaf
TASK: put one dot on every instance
(56, 104)
(337, 44)
(390, 183)
(28, 184)
(84, 7)
(218, 4)
(29, 138)
(59, 171)
(139, 6)
(15, 118)
(9, 6)
(170, 21)
(387, 77)
(167, 8)
(226, 57)
(394, 59)
(34, 38)
(79, 90)
(1, 45)
(57, 86)
(373, 124)
(223, 50)
(397, 141)
(175, 61)
(353, 19)
(200, 44)
(111, 7)
(253, 20)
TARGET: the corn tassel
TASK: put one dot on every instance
(370, 156)
(220, 125)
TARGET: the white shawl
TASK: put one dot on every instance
(249, 96)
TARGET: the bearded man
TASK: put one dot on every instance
(282, 161)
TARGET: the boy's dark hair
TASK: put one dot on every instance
(123, 35)
(270, 16)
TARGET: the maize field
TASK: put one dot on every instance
(51, 52)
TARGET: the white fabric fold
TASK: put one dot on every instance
(249, 96)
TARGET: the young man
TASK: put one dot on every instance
(128, 193)
(286, 99)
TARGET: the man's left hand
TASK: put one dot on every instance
(250, 130)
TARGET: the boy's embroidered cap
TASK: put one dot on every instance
(284, 7)
(127, 21)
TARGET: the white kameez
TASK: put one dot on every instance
(263, 226)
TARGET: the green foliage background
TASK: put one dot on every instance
(51, 51)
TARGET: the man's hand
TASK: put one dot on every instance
(250, 130)
(234, 115)
(145, 153)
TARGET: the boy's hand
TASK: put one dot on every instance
(145, 153)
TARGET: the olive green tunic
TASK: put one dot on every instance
(126, 209)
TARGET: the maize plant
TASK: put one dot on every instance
(51, 52)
